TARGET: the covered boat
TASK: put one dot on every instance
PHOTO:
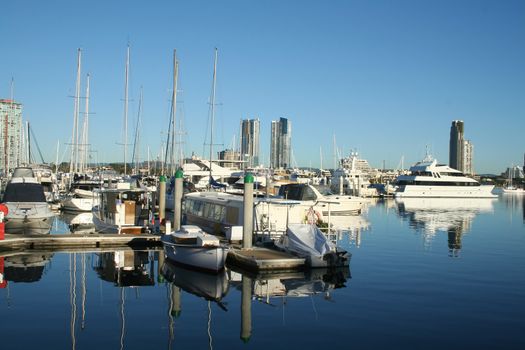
(307, 241)
(190, 246)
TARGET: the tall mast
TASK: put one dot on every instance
(73, 162)
(56, 159)
(136, 142)
(126, 113)
(173, 110)
(85, 130)
(28, 145)
(213, 107)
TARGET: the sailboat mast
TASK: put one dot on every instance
(28, 145)
(85, 129)
(213, 108)
(173, 110)
(56, 159)
(126, 112)
(73, 162)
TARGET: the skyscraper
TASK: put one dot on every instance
(456, 145)
(468, 156)
(281, 142)
(10, 134)
(250, 141)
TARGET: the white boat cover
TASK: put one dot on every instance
(307, 239)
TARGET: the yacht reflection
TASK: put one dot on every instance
(78, 222)
(126, 268)
(452, 215)
(24, 267)
(212, 287)
(352, 226)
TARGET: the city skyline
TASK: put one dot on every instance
(383, 78)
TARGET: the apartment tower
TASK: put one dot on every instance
(250, 142)
(281, 144)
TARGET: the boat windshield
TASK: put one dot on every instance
(24, 192)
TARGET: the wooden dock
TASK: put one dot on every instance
(60, 241)
(262, 259)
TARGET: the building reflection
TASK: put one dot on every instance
(428, 216)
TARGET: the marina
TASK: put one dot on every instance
(407, 278)
(262, 175)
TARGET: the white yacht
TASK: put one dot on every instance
(353, 177)
(430, 179)
(28, 209)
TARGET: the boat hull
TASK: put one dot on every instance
(79, 204)
(28, 218)
(413, 191)
(203, 258)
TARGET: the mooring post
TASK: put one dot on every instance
(177, 204)
(247, 231)
(162, 199)
(246, 309)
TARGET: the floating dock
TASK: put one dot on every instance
(263, 259)
(57, 241)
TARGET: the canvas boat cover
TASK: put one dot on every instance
(307, 239)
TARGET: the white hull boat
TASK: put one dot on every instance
(432, 180)
(25, 199)
(190, 246)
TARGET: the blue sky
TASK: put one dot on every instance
(385, 77)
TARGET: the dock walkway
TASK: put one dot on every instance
(25, 242)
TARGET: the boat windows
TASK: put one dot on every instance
(437, 183)
(24, 192)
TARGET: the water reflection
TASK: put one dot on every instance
(452, 215)
(126, 268)
(352, 227)
(78, 222)
(23, 267)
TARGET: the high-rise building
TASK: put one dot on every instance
(468, 156)
(10, 134)
(461, 151)
(281, 143)
(250, 141)
(456, 145)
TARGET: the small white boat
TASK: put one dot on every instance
(307, 241)
(513, 190)
(193, 247)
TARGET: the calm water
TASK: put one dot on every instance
(424, 274)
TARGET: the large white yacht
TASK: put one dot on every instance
(430, 179)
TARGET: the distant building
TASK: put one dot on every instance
(456, 145)
(10, 134)
(228, 155)
(281, 144)
(250, 142)
(468, 156)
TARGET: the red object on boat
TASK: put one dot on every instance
(3, 213)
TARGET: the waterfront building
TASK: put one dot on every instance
(228, 155)
(281, 142)
(468, 156)
(250, 142)
(10, 134)
(456, 145)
